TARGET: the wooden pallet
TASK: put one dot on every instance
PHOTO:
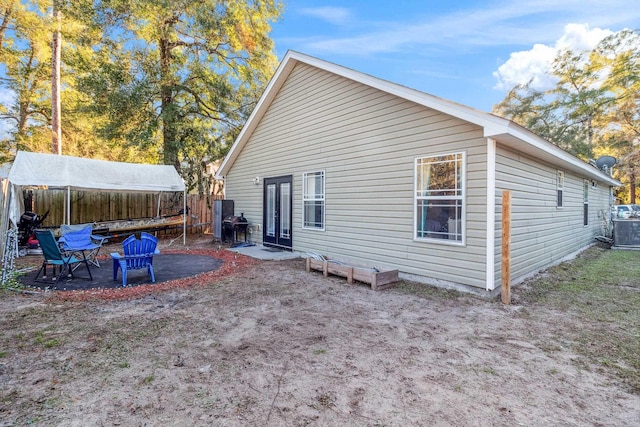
(379, 280)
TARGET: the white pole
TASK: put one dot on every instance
(68, 205)
(184, 216)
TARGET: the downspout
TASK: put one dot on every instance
(184, 216)
(491, 215)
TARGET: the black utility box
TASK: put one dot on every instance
(221, 210)
(626, 232)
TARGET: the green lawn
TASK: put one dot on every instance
(601, 290)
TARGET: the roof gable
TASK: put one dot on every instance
(495, 127)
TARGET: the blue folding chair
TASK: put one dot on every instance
(138, 254)
(79, 237)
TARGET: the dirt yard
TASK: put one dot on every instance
(274, 345)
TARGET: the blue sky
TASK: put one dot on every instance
(466, 51)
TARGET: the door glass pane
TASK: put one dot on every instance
(285, 210)
(270, 226)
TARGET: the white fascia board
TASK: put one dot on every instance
(288, 63)
(543, 146)
(494, 126)
(260, 109)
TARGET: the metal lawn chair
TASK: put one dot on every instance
(79, 237)
(55, 257)
(138, 254)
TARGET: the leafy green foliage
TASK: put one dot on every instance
(594, 108)
(620, 56)
(144, 80)
(189, 75)
(26, 57)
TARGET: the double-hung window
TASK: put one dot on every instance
(313, 200)
(439, 198)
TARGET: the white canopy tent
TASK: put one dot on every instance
(4, 170)
(75, 173)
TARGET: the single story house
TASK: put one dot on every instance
(340, 163)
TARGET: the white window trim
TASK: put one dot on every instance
(463, 186)
(491, 215)
(586, 185)
(324, 200)
(560, 187)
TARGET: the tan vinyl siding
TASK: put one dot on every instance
(366, 141)
(542, 233)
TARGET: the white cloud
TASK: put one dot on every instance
(581, 37)
(497, 23)
(531, 65)
(534, 65)
(334, 15)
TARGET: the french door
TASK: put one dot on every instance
(277, 212)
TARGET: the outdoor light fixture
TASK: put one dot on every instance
(256, 180)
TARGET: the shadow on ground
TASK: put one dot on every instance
(166, 267)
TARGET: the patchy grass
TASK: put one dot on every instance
(42, 339)
(12, 283)
(148, 379)
(601, 289)
(274, 345)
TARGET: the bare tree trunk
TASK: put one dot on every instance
(56, 128)
(25, 96)
(590, 132)
(169, 134)
(5, 23)
(632, 187)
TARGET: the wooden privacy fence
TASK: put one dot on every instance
(90, 206)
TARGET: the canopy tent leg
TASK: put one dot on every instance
(68, 205)
(184, 216)
(158, 210)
